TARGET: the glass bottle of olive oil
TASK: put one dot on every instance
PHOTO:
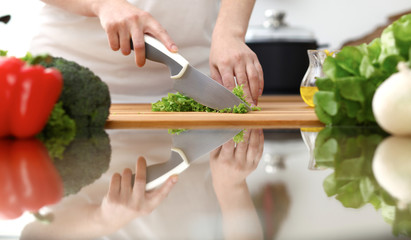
(307, 94)
(315, 69)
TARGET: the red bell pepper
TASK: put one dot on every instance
(28, 178)
(27, 96)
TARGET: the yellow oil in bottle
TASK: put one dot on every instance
(311, 129)
(307, 94)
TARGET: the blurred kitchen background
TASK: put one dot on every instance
(333, 22)
(305, 23)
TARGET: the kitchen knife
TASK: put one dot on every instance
(190, 81)
(187, 147)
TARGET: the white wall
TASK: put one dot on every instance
(15, 36)
(333, 21)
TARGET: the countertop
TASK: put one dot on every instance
(286, 180)
(278, 111)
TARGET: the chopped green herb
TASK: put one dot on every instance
(239, 137)
(176, 131)
(177, 102)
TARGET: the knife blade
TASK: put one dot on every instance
(190, 81)
(187, 147)
(197, 142)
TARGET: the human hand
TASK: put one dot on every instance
(125, 201)
(123, 21)
(230, 57)
(231, 164)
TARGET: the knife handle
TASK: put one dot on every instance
(157, 52)
(159, 173)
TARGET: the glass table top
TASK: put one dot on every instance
(308, 183)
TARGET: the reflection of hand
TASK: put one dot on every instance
(125, 201)
(231, 164)
(122, 21)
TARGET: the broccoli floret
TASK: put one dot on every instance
(85, 97)
(84, 160)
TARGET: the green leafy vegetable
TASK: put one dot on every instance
(177, 102)
(176, 131)
(402, 222)
(59, 131)
(239, 137)
(256, 108)
(352, 76)
(350, 152)
(239, 92)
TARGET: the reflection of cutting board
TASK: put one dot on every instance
(276, 112)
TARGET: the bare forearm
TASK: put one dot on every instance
(240, 219)
(83, 222)
(233, 17)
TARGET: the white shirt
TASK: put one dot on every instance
(83, 40)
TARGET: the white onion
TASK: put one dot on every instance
(391, 103)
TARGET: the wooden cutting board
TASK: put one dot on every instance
(276, 112)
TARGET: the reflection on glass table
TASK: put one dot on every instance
(188, 146)
(309, 135)
(117, 204)
(28, 179)
(369, 168)
(226, 192)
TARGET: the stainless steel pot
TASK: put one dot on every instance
(282, 52)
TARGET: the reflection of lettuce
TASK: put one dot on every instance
(84, 160)
(402, 222)
(350, 151)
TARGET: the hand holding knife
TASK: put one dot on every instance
(190, 81)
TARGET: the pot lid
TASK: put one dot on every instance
(275, 29)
